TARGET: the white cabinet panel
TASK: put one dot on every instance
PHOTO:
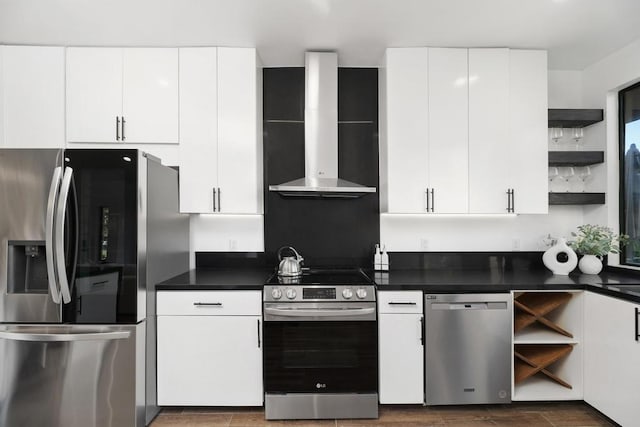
(407, 114)
(94, 93)
(401, 358)
(198, 129)
(489, 155)
(209, 361)
(528, 130)
(448, 164)
(239, 144)
(150, 95)
(612, 358)
(208, 303)
(33, 96)
(1, 96)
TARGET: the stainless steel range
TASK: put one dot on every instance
(321, 346)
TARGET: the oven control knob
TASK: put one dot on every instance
(291, 293)
(361, 293)
(347, 293)
(276, 293)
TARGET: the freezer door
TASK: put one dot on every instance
(29, 181)
(72, 376)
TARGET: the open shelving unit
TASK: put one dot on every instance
(572, 118)
(547, 352)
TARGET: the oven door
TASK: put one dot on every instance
(320, 348)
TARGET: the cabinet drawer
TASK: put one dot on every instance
(400, 302)
(209, 303)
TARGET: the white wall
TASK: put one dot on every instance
(600, 83)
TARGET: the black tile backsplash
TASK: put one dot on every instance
(327, 232)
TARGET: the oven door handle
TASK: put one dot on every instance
(320, 312)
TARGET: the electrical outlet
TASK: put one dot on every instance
(516, 244)
(424, 244)
(233, 244)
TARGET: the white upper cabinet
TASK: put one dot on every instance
(448, 163)
(407, 112)
(32, 97)
(198, 129)
(94, 94)
(470, 138)
(122, 95)
(489, 152)
(239, 131)
(220, 131)
(150, 95)
(528, 130)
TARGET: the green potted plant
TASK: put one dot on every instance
(593, 242)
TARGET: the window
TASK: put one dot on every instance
(629, 101)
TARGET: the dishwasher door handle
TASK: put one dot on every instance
(493, 305)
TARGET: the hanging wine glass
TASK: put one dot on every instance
(577, 134)
(584, 174)
(556, 134)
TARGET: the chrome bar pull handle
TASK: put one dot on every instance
(123, 122)
(117, 128)
(61, 211)
(401, 303)
(49, 224)
(214, 199)
(207, 304)
(421, 325)
(433, 200)
(219, 204)
(259, 344)
(513, 200)
(637, 334)
(426, 195)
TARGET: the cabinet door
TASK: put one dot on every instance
(239, 145)
(528, 130)
(401, 358)
(209, 361)
(448, 130)
(150, 95)
(407, 112)
(612, 358)
(489, 154)
(94, 93)
(198, 129)
(33, 97)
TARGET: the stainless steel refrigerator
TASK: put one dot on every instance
(84, 237)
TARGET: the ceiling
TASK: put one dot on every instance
(575, 32)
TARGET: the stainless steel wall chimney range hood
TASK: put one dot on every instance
(321, 135)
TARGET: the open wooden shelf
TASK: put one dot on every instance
(531, 359)
(576, 198)
(573, 117)
(575, 158)
(532, 307)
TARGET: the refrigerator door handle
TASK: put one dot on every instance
(49, 224)
(44, 337)
(61, 212)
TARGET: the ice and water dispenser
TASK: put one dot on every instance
(27, 267)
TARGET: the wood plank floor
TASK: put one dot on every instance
(564, 414)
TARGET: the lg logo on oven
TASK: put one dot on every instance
(320, 385)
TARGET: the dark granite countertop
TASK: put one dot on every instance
(218, 279)
(617, 284)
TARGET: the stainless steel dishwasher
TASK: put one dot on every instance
(468, 348)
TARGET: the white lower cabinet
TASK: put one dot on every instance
(401, 349)
(210, 348)
(612, 358)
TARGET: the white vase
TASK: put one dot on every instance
(550, 258)
(590, 264)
